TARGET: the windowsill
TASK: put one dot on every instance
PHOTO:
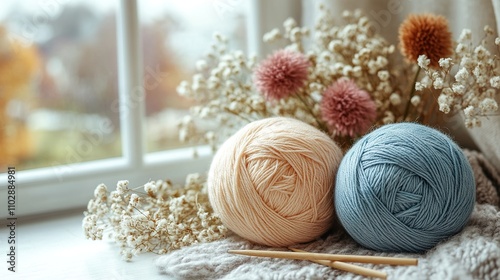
(54, 247)
(41, 190)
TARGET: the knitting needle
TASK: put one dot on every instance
(329, 257)
(349, 267)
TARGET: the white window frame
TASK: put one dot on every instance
(70, 186)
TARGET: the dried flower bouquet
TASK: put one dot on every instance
(345, 80)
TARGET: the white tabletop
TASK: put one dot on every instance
(54, 247)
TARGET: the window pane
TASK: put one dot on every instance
(58, 82)
(175, 35)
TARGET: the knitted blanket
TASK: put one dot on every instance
(474, 253)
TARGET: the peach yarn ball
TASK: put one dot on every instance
(273, 181)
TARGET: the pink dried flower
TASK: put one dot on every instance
(281, 74)
(347, 109)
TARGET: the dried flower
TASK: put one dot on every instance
(348, 109)
(281, 74)
(495, 82)
(395, 99)
(425, 34)
(466, 81)
(415, 100)
(423, 62)
(165, 219)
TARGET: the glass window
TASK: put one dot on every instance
(71, 106)
(58, 83)
(176, 34)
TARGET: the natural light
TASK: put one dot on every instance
(231, 139)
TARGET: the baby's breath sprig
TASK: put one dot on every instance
(157, 217)
(466, 82)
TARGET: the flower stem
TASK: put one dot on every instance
(237, 115)
(321, 125)
(407, 109)
(427, 119)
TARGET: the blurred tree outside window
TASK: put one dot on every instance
(19, 66)
(58, 112)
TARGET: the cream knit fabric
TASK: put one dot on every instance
(487, 178)
(474, 253)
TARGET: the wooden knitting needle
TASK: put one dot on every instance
(349, 267)
(329, 257)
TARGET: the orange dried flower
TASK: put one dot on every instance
(426, 34)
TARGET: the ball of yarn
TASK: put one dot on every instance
(273, 180)
(403, 188)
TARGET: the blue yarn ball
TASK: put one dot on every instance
(403, 188)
